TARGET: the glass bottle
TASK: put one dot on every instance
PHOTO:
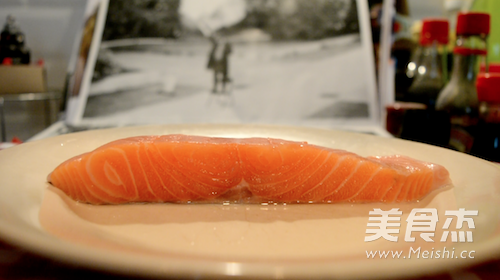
(459, 96)
(487, 142)
(402, 47)
(411, 68)
(429, 79)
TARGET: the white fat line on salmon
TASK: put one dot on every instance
(304, 181)
(412, 183)
(366, 183)
(428, 181)
(72, 189)
(396, 183)
(73, 178)
(96, 183)
(174, 168)
(92, 189)
(421, 180)
(220, 190)
(132, 174)
(127, 162)
(387, 189)
(276, 146)
(419, 253)
(164, 187)
(141, 165)
(348, 177)
(416, 185)
(296, 174)
(337, 164)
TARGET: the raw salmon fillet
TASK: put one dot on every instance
(181, 168)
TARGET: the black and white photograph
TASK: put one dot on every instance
(81, 65)
(232, 61)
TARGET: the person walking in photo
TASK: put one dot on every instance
(218, 61)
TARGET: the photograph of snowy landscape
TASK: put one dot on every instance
(288, 62)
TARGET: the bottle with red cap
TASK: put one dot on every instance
(487, 142)
(459, 97)
(428, 70)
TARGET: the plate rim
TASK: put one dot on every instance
(49, 248)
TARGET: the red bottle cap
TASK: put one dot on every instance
(469, 51)
(7, 61)
(473, 24)
(492, 68)
(488, 87)
(434, 29)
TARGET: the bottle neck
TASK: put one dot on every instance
(430, 65)
(474, 42)
(474, 50)
(465, 68)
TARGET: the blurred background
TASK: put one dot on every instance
(51, 28)
(156, 63)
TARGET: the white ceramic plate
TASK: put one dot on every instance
(271, 241)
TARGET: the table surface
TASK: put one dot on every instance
(17, 263)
